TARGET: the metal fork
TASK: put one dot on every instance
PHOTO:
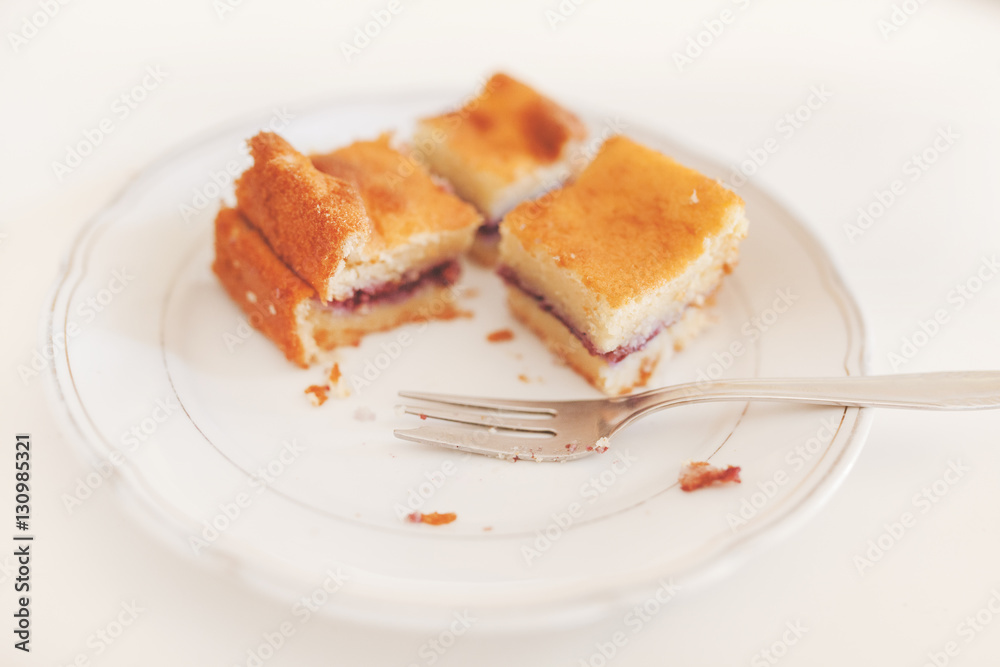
(565, 430)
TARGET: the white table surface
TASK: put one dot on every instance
(890, 95)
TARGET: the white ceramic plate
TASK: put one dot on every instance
(162, 379)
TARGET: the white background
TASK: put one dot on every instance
(890, 96)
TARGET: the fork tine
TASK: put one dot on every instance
(478, 419)
(481, 441)
(530, 407)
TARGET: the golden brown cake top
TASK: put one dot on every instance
(400, 196)
(631, 222)
(311, 220)
(508, 130)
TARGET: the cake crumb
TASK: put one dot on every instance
(699, 474)
(600, 446)
(487, 529)
(318, 394)
(339, 382)
(432, 518)
(523, 378)
(500, 336)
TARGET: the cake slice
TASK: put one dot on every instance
(319, 252)
(506, 145)
(614, 273)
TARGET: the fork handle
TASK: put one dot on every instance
(971, 390)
